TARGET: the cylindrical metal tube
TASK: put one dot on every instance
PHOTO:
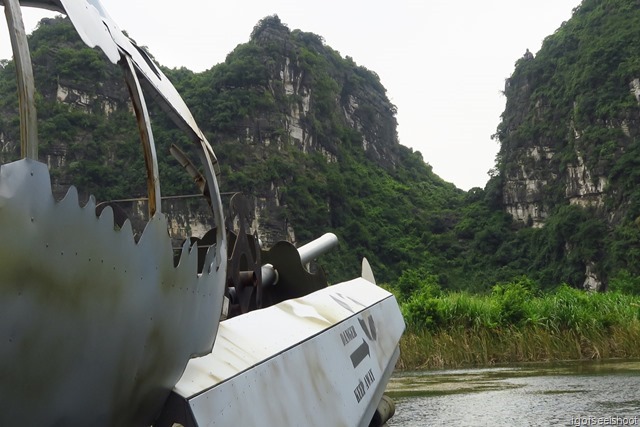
(308, 252)
(385, 410)
(317, 247)
(269, 275)
(25, 82)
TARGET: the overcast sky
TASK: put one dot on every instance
(443, 62)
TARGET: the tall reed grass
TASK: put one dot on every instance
(517, 324)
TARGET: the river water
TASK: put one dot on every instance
(567, 394)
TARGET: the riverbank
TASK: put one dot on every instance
(513, 326)
(486, 347)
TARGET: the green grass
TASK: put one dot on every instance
(516, 324)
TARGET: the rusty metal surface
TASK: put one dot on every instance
(328, 363)
(244, 274)
(146, 136)
(26, 88)
(96, 28)
(95, 329)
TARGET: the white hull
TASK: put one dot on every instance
(320, 360)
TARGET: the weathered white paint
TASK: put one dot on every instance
(320, 360)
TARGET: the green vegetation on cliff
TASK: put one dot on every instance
(384, 202)
(569, 148)
(313, 135)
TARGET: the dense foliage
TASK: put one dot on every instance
(517, 322)
(390, 208)
(575, 103)
(90, 139)
(347, 173)
(518, 303)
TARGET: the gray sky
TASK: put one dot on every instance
(443, 62)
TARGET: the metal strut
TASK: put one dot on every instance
(26, 87)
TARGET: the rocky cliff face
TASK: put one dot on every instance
(304, 104)
(313, 79)
(570, 130)
(307, 134)
(543, 169)
(283, 96)
(541, 172)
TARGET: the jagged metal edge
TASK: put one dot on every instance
(101, 326)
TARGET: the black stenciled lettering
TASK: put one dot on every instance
(348, 335)
(369, 379)
(360, 391)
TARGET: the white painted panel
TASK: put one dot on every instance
(319, 360)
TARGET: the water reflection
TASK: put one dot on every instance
(567, 394)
